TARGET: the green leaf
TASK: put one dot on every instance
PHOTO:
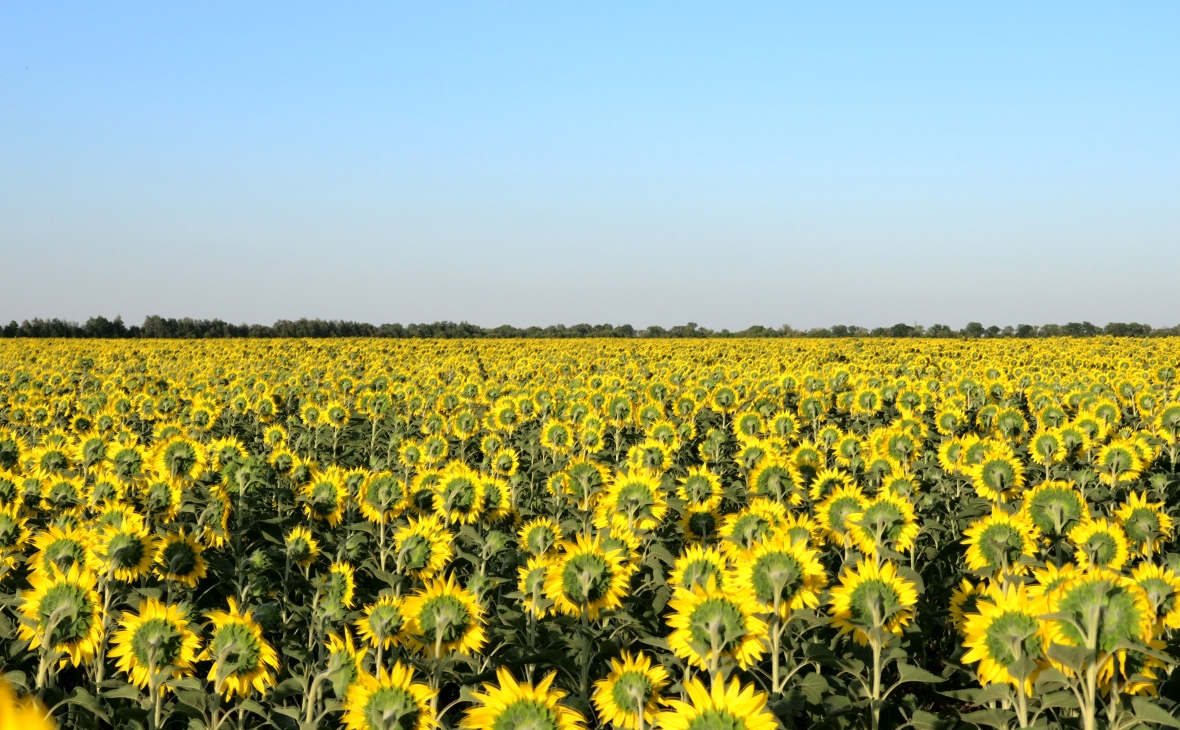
(996, 718)
(910, 673)
(1061, 699)
(983, 696)
(1073, 657)
(82, 698)
(923, 720)
(814, 687)
(1151, 712)
(126, 692)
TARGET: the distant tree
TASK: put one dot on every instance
(973, 329)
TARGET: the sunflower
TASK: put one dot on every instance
(782, 574)
(697, 566)
(699, 524)
(828, 481)
(126, 551)
(63, 613)
(1162, 586)
(832, 514)
(443, 618)
(515, 704)
(59, 549)
(700, 488)
(633, 500)
(105, 490)
(383, 623)
(423, 547)
(710, 621)
(557, 437)
(998, 475)
(633, 685)
(179, 458)
(1146, 524)
(1118, 461)
(49, 460)
(243, 661)
(531, 584)
(1050, 580)
(324, 495)
(382, 497)
(760, 520)
(458, 495)
(390, 700)
(214, 519)
(62, 494)
(774, 478)
(162, 499)
(539, 536)
(737, 707)
(583, 480)
(339, 587)
(997, 542)
(301, 547)
(1054, 508)
(179, 559)
(964, 599)
(887, 521)
(1121, 609)
(1100, 544)
(871, 597)
(650, 454)
(1005, 629)
(13, 532)
(24, 713)
(156, 641)
(586, 576)
(345, 661)
(951, 456)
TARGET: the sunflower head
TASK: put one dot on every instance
(870, 599)
(423, 547)
(301, 547)
(711, 622)
(179, 559)
(156, 641)
(697, 567)
(1054, 508)
(1099, 544)
(539, 536)
(1005, 629)
(585, 576)
(722, 708)
(389, 701)
(783, 575)
(997, 543)
(514, 704)
(1145, 524)
(443, 618)
(632, 687)
(63, 612)
(383, 624)
(1119, 610)
(243, 661)
(888, 521)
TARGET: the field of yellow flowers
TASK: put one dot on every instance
(543, 535)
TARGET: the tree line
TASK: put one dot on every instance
(155, 327)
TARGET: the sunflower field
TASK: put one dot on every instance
(561, 535)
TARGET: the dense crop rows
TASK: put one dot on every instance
(692, 536)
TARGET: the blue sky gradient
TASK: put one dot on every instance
(654, 163)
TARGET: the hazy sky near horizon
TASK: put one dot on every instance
(539, 163)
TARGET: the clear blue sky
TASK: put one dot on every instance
(652, 163)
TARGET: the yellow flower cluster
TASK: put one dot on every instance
(374, 523)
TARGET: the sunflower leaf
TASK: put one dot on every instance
(1151, 712)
